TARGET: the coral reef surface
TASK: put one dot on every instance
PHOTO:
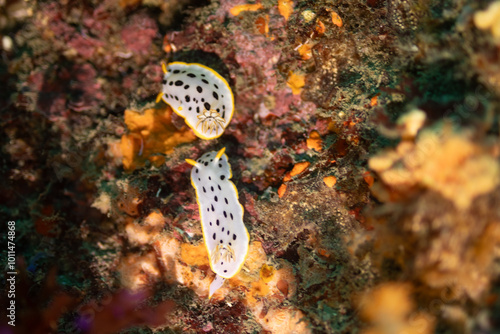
(364, 147)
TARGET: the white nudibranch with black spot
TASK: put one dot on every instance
(225, 235)
(199, 95)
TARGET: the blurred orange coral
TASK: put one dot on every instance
(285, 320)
(138, 271)
(147, 231)
(440, 226)
(128, 200)
(389, 308)
(448, 163)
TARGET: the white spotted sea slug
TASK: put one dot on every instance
(199, 95)
(225, 235)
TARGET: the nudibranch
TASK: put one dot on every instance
(225, 235)
(199, 95)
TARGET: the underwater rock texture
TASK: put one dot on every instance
(364, 146)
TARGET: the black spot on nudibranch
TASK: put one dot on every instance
(217, 222)
(170, 83)
(216, 87)
(225, 199)
(206, 163)
(227, 232)
(216, 199)
(164, 81)
(213, 236)
(210, 223)
(212, 188)
(191, 75)
(179, 83)
(220, 165)
(231, 216)
(223, 229)
(221, 242)
(218, 186)
(176, 71)
(225, 271)
(186, 87)
(207, 105)
(216, 96)
(197, 110)
(199, 89)
(213, 208)
(188, 98)
(204, 190)
(210, 179)
(222, 177)
(225, 214)
(196, 170)
(234, 236)
(205, 81)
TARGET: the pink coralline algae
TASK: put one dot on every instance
(138, 34)
(86, 87)
(85, 46)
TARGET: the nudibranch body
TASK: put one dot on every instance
(200, 95)
(225, 235)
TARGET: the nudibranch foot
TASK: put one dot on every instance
(216, 284)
